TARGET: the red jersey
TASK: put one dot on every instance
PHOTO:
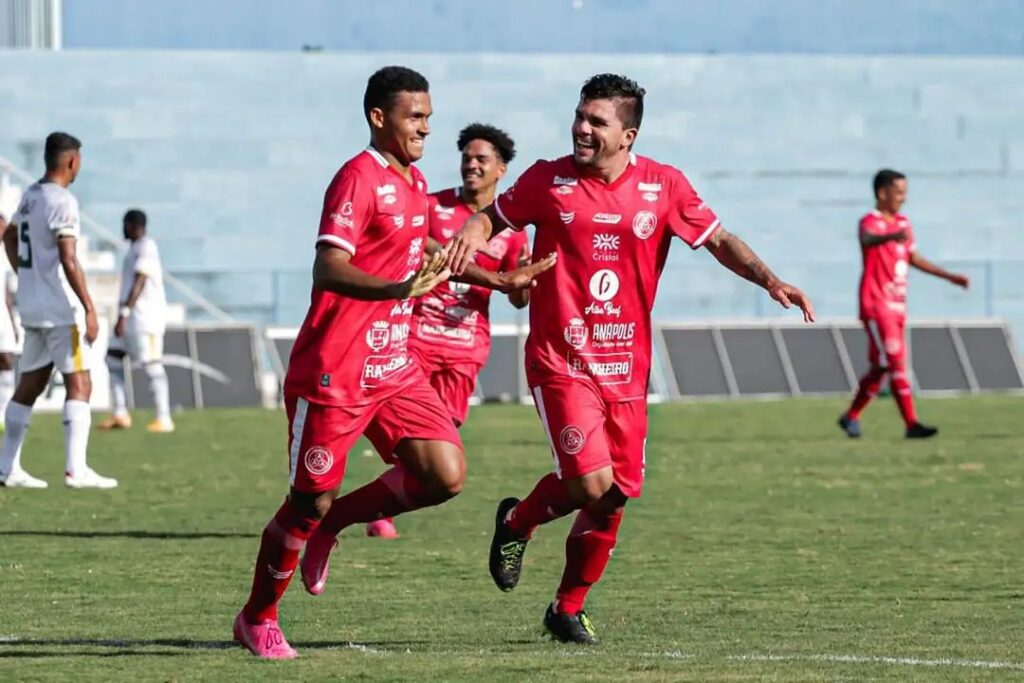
(590, 315)
(451, 324)
(351, 352)
(883, 285)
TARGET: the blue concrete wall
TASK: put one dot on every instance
(230, 154)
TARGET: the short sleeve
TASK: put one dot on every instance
(63, 218)
(518, 205)
(348, 208)
(872, 225)
(516, 241)
(694, 221)
(148, 262)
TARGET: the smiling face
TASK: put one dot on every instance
(892, 196)
(482, 167)
(403, 128)
(599, 136)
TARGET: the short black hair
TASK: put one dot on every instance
(135, 217)
(385, 84)
(56, 144)
(504, 144)
(626, 90)
(885, 178)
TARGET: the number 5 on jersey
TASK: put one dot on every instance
(24, 259)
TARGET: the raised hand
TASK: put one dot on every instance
(525, 277)
(432, 273)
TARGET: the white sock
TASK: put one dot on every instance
(16, 419)
(77, 421)
(118, 399)
(6, 389)
(161, 390)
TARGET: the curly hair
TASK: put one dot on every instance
(615, 87)
(504, 144)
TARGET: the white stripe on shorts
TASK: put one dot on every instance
(538, 399)
(298, 425)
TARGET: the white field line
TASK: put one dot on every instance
(865, 659)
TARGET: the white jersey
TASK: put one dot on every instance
(45, 299)
(150, 311)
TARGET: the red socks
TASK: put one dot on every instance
(868, 389)
(904, 397)
(548, 500)
(392, 493)
(587, 551)
(280, 545)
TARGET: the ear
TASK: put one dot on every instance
(629, 137)
(502, 167)
(377, 118)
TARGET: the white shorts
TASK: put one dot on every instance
(142, 347)
(63, 345)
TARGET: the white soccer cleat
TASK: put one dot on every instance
(20, 479)
(88, 478)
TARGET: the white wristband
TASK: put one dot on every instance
(125, 311)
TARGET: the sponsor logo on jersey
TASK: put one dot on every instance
(572, 439)
(444, 212)
(385, 189)
(650, 196)
(497, 247)
(458, 288)
(341, 220)
(403, 307)
(379, 334)
(649, 187)
(390, 199)
(613, 332)
(559, 180)
(417, 221)
(416, 246)
(319, 461)
(607, 218)
(457, 335)
(565, 189)
(575, 333)
(399, 220)
(567, 217)
(376, 369)
(447, 233)
(644, 223)
(606, 308)
(346, 209)
(604, 368)
(606, 247)
(604, 284)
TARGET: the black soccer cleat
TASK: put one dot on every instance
(507, 549)
(920, 431)
(570, 628)
(851, 427)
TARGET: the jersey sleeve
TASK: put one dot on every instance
(871, 225)
(63, 219)
(148, 262)
(518, 205)
(694, 221)
(516, 242)
(348, 208)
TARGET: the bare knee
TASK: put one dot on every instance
(440, 467)
(591, 487)
(312, 505)
(79, 386)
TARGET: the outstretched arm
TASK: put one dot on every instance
(472, 238)
(734, 254)
(924, 265)
(511, 283)
(871, 240)
(333, 272)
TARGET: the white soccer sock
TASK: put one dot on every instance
(118, 398)
(16, 419)
(6, 389)
(161, 390)
(77, 421)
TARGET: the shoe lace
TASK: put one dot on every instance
(512, 555)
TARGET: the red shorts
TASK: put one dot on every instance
(886, 336)
(320, 436)
(588, 433)
(454, 384)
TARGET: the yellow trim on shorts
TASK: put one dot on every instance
(76, 350)
(151, 342)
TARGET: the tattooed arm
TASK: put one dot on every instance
(734, 254)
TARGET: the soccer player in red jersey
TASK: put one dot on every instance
(351, 372)
(888, 250)
(610, 216)
(451, 330)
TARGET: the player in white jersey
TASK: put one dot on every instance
(10, 197)
(57, 313)
(139, 331)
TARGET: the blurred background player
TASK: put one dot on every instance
(10, 197)
(610, 216)
(888, 249)
(58, 315)
(451, 330)
(139, 331)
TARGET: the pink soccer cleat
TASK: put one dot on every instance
(382, 528)
(314, 561)
(264, 640)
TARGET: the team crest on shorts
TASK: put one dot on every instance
(319, 460)
(572, 440)
(893, 346)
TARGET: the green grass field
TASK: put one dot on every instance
(767, 546)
